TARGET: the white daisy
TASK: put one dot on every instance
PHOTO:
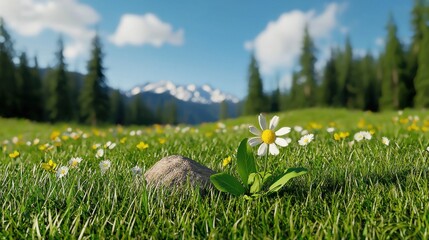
(104, 166)
(62, 171)
(359, 136)
(330, 130)
(100, 153)
(267, 137)
(110, 145)
(297, 128)
(74, 161)
(306, 139)
(385, 141)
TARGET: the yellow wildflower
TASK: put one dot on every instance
(403, 120)
(49, 166)
(226, 161)
(162, 140)
(55, 135)
(142, 145)
(361, 123)
(65, 137)
(413, 127)
(314, 125)
(15, 154)
(341, 135)
(123, 140)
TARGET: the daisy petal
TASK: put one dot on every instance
(282, 142)
(254, 131)
(282, 131)
(262, 150)
(262, 121)
(254, 141)
(274, 122)
(274, 150)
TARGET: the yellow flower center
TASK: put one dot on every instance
(268, 136)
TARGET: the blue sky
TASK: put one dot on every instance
(200, 42)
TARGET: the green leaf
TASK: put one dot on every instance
(227, 183)
(245, 161)
(255, 182)
(289, 174)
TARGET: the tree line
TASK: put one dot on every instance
(396, 79)
(57, 95)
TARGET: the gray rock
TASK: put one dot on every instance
(176, 172)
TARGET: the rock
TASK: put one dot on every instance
(175, 172)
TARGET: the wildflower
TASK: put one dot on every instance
(304, 132)
(268, 138)
(297, 128)
(36, 141)
(142, 145)
(330, 129)
(359, 136)
(110, 145)
(341, 135)
(427, 149)
(55, 135)
(306, 139)
(226, 161)
(137, 171)
(15, 140)
(314, 125)
(104, 166)
(49, 166)
(96, 145)
(123, 140)
(133, 133)
(74, 161)
(385, 141)
(62, 171)
(100, 153)
(15, 154)
(351, 143)
(162, 140)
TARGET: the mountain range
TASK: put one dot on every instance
(194, 104)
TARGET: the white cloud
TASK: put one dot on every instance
(278, 46)
(68, 17)
(379, 42)
(145, 29)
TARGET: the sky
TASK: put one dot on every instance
(199, 42)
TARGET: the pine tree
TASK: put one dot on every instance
(117, 108)
(308, 72)
(36, 96)
(296, 97)
(94, 98)
(8, 106)
(418, 25)
(137, 113)
(255, 100)
(275, 100)
(348, 85)
(422, 78)
(23, 88)
(329, 89)
(370, 83)
(393, 90)
(223, 110)
(58, 100)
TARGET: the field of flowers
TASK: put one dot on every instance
(368, 177)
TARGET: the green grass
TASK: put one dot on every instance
(368, 190)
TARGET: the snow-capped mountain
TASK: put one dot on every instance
(190, 93)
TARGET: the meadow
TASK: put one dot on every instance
(371, 188)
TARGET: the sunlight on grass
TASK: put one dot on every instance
(357, 185)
